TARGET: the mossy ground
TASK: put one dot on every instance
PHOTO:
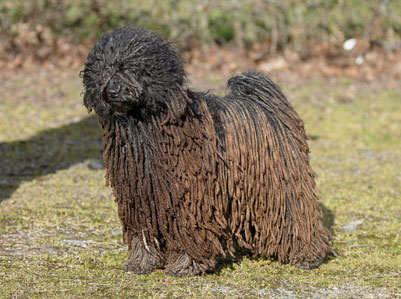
(60, 236)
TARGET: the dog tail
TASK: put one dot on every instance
(254, 88)
(257, 88)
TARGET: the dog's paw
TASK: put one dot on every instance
(143, 259)
(184, 265)
(310, 263)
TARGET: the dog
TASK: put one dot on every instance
(197, 176)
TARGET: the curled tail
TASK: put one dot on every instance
(258, 86)
(260, 89)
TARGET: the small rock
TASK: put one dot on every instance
(352, 226)
(349, 44)
(359, 60)
(76, 243)
(95, 164)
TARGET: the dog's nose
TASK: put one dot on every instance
(113, 88)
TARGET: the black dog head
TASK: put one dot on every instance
(131, 72)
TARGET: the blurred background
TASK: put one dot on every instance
(255, 31)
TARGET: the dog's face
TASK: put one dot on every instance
(131, 72)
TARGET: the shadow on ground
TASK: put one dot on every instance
(328, 218)
(48, 152)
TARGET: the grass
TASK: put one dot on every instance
(60, 236)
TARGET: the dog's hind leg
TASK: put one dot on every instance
(183, 265)
(311, 254)
(143, 258)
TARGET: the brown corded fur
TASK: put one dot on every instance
(201, 175)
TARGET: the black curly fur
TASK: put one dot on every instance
(195, 175)
(141, 63)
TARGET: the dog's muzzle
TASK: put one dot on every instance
(122, 94)
(113, 89)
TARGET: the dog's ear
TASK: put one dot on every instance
(87, 102)
(86, 94)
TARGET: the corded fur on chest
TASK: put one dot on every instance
(155, 169)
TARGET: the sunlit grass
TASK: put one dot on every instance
(60, 236)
